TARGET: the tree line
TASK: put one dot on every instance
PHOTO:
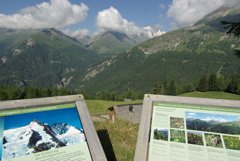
(8, 92)
(203, 84)
(115, 95)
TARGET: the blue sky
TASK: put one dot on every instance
(88, 17)
(208, 117)
(196, 132)
(68, 116)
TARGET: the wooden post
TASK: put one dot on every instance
(94, 144)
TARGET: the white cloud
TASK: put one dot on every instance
(77, 33)
(191, 113)
(187, 12)
(157, 27)
(111, 20)
(160, 16)
(161, 6)
(215, 119)
(57, 13)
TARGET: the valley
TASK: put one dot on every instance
(114, 61)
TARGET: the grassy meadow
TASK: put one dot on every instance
(98, 107)
(119, 139)
(212, 94)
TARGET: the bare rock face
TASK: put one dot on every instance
(4, 59)
(16, 52)
(30, 42)
(100, 68)
(66, 81)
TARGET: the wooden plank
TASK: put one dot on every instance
(194, 101)
(93, 141)
(36, 102)
(144, 131)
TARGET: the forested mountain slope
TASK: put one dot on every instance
(111, 43)
(179, 55)
(41, 57)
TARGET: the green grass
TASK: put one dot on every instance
(96, 107)
(118, 139)
(215, 95)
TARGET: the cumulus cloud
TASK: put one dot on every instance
(111, 20)
(57, 13)
(187, 12)
(77, 33)
(161, 6)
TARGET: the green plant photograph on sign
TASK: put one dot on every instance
(160, 134)
(177, 136)
(195, 137)
(213, 140)
(176, 122)
(231, 142)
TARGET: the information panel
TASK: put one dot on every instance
(194, 133)
(43, 133)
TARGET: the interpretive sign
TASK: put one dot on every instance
(189, 129)
(56, 132)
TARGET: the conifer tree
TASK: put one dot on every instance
(191, 87)
(156, 88)
(220, 82)
(165, 87)
(233, 29)
(203, 84)
(213, 83)
(185, 87)
(172, 88)
(232, 87)
(102, 97)
(54, 90)
(3, 93)
(139, 95)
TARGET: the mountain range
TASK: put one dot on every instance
(37, 137)
(112, 43)
(232, 127)
(180, 55)
(117, 61)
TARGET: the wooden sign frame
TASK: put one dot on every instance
(94, 145)
(142, 147)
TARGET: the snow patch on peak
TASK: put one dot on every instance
(151, 32)
(238, 120)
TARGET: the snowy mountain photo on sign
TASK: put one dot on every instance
(50, 130)
(226, 124)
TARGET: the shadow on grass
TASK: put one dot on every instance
(106, 144)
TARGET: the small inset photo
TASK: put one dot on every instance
(231, 142)
(195, 137)
(177, 136)
(213, 140)
(176, 122)
(160, 134)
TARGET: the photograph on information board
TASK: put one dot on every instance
(35, 130)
